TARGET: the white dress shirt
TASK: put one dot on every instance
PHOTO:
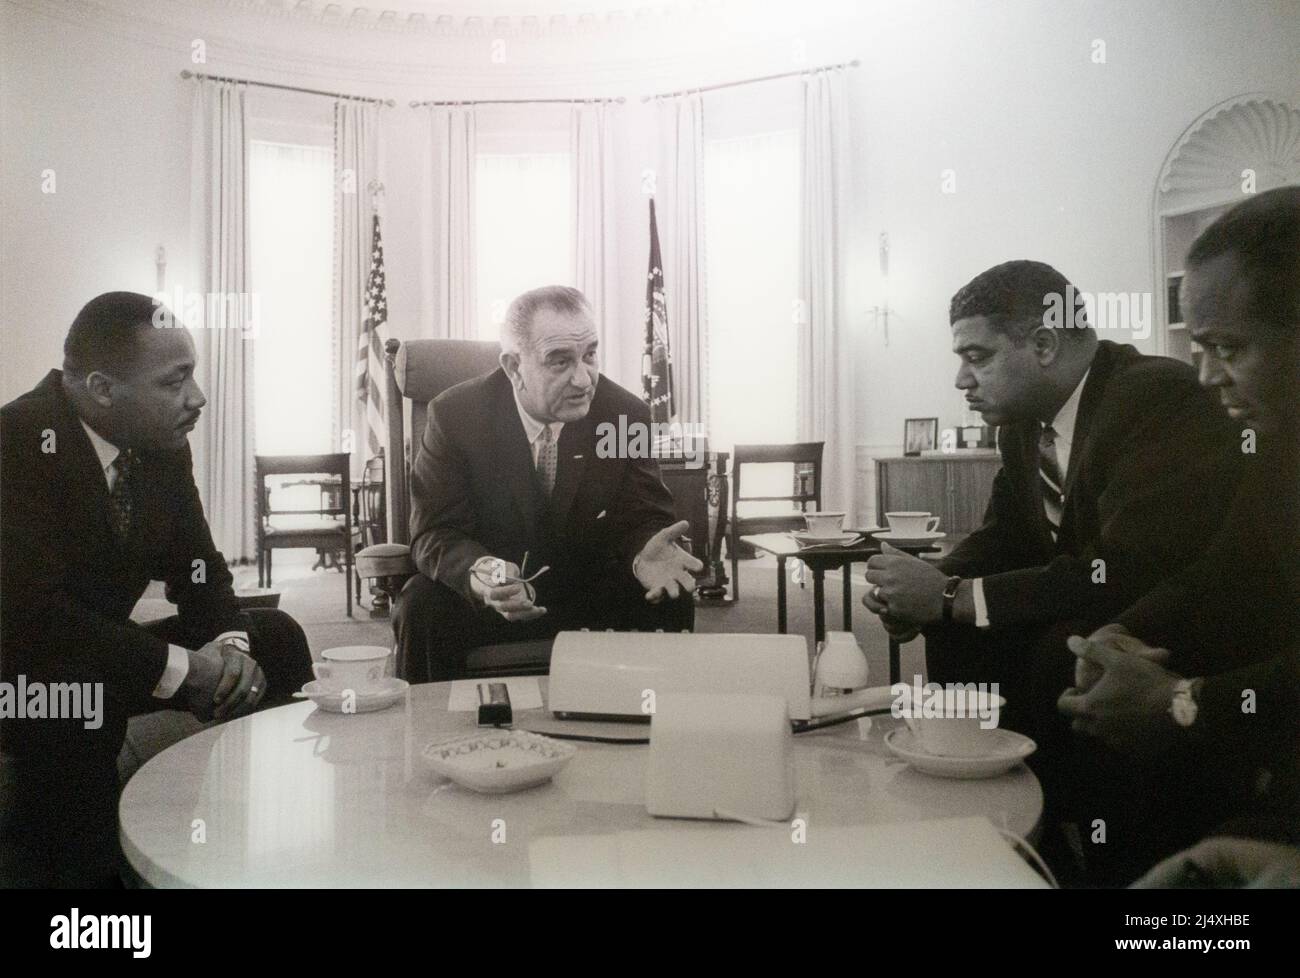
(178, 658)
(533, 430)
(1063, 424)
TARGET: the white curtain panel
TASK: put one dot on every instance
(356, 164)
(680, 187)
(224, 439)
(454, 164)
(594, 239)
(825, 363)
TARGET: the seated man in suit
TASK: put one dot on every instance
(1116, 469)
(1208, 664)
(98, 500)
(512, 476)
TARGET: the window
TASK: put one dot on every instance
(523, 227)
(291, 258)
(751, 233)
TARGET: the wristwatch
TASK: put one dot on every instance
(950, 596)
(237, 641)
(1183, 705)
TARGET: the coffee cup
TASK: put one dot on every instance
(907, 524)
(963, 725)
(824, 524)
(357, 667)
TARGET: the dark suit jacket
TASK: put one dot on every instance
(67, 585)
(474, 492)
(1234, 617)
(1152, 470)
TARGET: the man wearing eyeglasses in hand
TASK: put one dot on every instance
(521, 525)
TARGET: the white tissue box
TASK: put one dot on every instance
(720, 755)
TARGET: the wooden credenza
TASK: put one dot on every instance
(955, 487)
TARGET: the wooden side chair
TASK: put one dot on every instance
(327, 528)
(806, 457)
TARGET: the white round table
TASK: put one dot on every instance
(295, 796)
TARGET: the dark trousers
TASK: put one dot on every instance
(58, 805)
(1128, 814)
(436, 627)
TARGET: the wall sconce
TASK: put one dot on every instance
(881, 312)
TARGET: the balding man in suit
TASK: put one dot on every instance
(514, 474)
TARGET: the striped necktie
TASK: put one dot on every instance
(1050, 480)
(547, 459)
(119, 497)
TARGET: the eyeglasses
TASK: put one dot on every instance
(497, 576)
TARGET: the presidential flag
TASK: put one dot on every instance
(370, 347)
(656, 361)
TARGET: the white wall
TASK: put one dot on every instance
(1055, 156)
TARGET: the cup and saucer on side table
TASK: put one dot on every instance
(911, 529)
(355, 679)
(825, 529)
(950, 738)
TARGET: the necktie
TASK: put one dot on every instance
(547, 459)
(119, 497)
(1050, 480)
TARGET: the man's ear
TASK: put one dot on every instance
(1047, 344)
(510, 364)
(100, 387)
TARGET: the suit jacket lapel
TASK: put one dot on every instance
(577, 441)
(89, 485)
(1089, 402)
(1029, 447)
(517, 458)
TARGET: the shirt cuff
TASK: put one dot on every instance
(981, 606)
(177, 668)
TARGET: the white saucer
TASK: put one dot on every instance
(806, 539)
(329, 695)
(901, 540)
(1011, 748)
(499, 761)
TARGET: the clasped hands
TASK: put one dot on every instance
(223, 682)
(1121, 693)
(906, 592)
(662, 567)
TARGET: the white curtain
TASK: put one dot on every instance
(224, 439)
(356, 165)
(524, 232)
(454, 163)
(291, 259)
(591, 168)
(825, 362)
(680, 187)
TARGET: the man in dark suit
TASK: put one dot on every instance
(517, 471)
(98, 500)
(1207, 665)
(1116, 470)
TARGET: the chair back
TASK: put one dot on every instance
(334, 464)
(418, 371)
(806, 488)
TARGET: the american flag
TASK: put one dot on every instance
(370, 347)
(656, 361)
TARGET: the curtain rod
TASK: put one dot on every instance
(516, 101)
(288, 88)
(751, 81)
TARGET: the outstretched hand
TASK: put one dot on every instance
(663, 568)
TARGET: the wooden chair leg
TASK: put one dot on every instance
(269, 552)
(261, 566)
(347, 579)
(733, 545)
